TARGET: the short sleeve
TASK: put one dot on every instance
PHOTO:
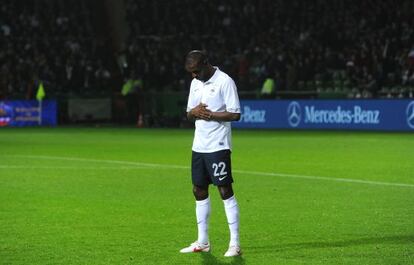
(230, 96)
(191, 103)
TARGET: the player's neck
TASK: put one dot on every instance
(211, 71)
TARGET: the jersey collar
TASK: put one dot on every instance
(213, 77)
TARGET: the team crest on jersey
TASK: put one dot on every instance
(213, 90)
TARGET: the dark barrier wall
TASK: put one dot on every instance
(384, 115)
(27, 113)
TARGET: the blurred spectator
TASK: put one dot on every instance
(303, 42)
(52, 41)
(365, 48)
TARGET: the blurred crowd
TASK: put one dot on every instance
(52, 42)
(364, 48)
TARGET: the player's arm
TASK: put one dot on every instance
(231, 99)
(224, 116)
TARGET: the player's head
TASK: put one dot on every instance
(196, 63)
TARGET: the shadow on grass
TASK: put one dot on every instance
(208, 259)
(402, 239)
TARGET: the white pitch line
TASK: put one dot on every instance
(121, 162)
(257, 173)
(69, 167)
(326, 178)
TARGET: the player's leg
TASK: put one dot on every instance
(202, 212)
(200, 191)
(232, 214)
(226, 191)
(202, 215)
(220, 170)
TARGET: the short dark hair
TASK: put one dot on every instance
(198, 56)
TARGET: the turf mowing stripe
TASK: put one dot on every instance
(258, 173)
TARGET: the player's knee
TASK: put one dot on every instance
(226, 192)
(200, 193)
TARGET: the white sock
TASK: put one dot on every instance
(203, 213)
(232, 213)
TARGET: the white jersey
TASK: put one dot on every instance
(219, 93)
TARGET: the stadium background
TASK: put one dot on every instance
(308, 50)
(96, 190)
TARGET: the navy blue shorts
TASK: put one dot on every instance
(211, 168)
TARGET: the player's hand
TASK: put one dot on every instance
(201, 112)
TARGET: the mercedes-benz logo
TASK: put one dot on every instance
(410, 114)
(294, 114)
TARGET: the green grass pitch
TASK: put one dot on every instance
(123, 196)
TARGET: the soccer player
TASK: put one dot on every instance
(213, 103)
